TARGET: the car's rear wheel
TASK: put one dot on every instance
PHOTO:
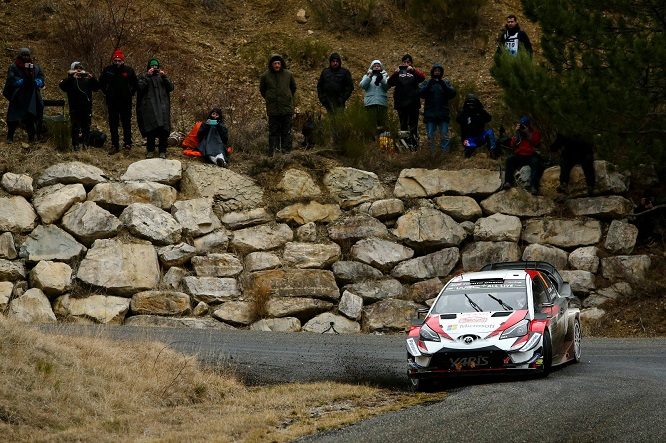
(577, 336)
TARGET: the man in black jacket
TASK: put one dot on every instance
(472, 119)
(436, 93)
(513, 39)
(22, 89)
(335, 85)
(406, 98)
(79, 86)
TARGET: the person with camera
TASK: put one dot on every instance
(407, 99)
(118, 82)
(214, 137)
(79, 86)
(436, 93)
(525, 144)
(472, 119)
(277, 86)
(375, 100)
(153, 107)
(335, 85)
(22, 89)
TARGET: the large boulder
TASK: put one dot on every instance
(310, 255)
(437, 264)
(217, 265)
(151, 223)
(585, 258)
(92, 309)
(7, 246)
(353, 271)
(608, 180)
(12, 270)
(386, 209)
(176, 255)
(243, 219)
(351, 305)
(51, 243)
(211, 290)
(158, 321)
(498, 227)
(52, 278)
(517, 201)
(216, 241)
(550, 254)
(478, 254)
(460, 208)
(116, 196)
(428, 228)
(313, 283)
(612, 292)
(120, 269)
(351, 187)
(235, 313)
(379, 253)
(17, 215)
(17, 184)
(6, 289)
(563, 233)
(302, 213)
(329, 323)
(285, 324)
(51, 202)
(621, 237)
(88, 222)
(582, 282)
(422, 291)
(260, 261)
(173, 278)
(389, 315)
(357, 227)
(196, 216)
(72, 172)
(31, 307)
(299, 307)
(296, 184)
(160, 303)
(630, 268)
(233, 191)
(262, 238)
(612, 206)
(374, 290)
(413, 183)
(156, 170)
(307, 232)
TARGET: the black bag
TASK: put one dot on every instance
(96, 138)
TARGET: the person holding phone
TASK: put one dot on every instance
(406, 98)
(22, 89)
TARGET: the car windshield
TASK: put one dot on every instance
(475, 296)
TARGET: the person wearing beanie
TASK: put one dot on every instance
(277, 86)
(22, 89)
(79, 86)
(436, 93)
(214, 137)
(406, 98)
(153, 107)
(512, 39)
(472, 119)
(525, 144)
(375, 85)
(118, 82)
(335, 85)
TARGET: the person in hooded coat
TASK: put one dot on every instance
(153, 107)
(22, 89)
(335, 85)
(214, 137)
(473, 133)
(277, 86)
(407, 99)
(375, 85)
(79, 87)
(436, 93)
(512, 39)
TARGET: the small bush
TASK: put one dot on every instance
(359, 16)
(446, 17)
(350, 130)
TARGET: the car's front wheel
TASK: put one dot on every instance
(547, 351)
(577, 336)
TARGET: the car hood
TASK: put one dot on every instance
(478, 323)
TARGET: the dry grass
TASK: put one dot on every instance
(58, 388)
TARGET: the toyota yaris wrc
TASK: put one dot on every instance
(510, 317)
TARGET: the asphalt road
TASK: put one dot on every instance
(617, 393)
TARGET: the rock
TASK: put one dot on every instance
(151, 223)
(160, 303)
(389, 315)
(311, 255)
(517, 201)
(478, 254)
(259, 261)
(375, 290)
(51, 243)
(200, 309)
(630, 268)
(19, 288)
(196, 216)
(17, 215)
(217, 265)
(498, 227)
(214, 242)
(176, 255)
(88, 222)
(302, 213)
(608, 180)
(351, 187)
(357, 227)
(351, 305)
(313, 283)
(353, 271)
(301, 17)
(175, 322)
(7, 246)
(235, 313)
(51, 277)
(428, 228)
(285, 324)
(424, 290)
(51, 202)
(386, 209)
(297, 184)
(549, 254)
(17, 184)
(381, 254)
(437, 264)
(261, 238)
(157, 170)
(329, 323)
(612, 206)
(299, 307)
(211, 290)
(460, 208)
(469, 227)
(621, 237)
(562, 232)
(418, 182)
(233, 191)
(173, 278)
(613, 292)
(252, 217)
(70, 173)
(12, 270)
(307, 232)
(31, 307)
(120, 269)
(6, 289)
(585, 259)
(582, 282)
(92, 309)
(591, 314)
(116, 196)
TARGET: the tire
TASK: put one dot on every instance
(577, 338)
(547, 354)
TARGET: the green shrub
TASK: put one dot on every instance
(350, 131)
(360, 16)
(446, 17)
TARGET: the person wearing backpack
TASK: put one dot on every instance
(406, 99)
(79, 87)
(436, 93)
(153, 108)
(214, 137)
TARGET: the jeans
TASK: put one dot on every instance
(471, 143)
(443, 127)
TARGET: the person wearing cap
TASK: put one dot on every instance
(335, 85)
(153, 107)
(79, 86)
(472, 119)
(22, 89)
(277, 86)
(525, 143)
(436, 93)
(118, 82)
(375, 85)
(406, 98)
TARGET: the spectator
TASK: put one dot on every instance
(277, 87)
(153, 107)
(79, 86)
(22, 90)
(436, 94)
(525, 144)
(375, 85)
(513, 39)
(335, 85)
(472, 119)
(406, 99)
(574, 150)
(118, 82)
(214, 138)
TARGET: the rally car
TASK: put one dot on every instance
(509, 317)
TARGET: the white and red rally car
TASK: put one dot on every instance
(509, 317)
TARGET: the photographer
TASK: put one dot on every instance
(153, 107)
(118, 83)
(79, 86)
(22, 89)
(524, 143)
(375, 85)
(407, 98)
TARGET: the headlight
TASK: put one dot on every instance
(428, 334)
(517, 330)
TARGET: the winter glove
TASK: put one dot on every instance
(18, 82)
(39, 82)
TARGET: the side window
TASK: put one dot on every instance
(550, 286)
(539, 292)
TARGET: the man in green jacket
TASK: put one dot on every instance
(278, 87)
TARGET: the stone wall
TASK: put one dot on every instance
(199, 247)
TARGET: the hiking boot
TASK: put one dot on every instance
(10, 141)
(534, 190)
(113, 150)
(150, 154)
(469, 153)
(506, 185)
(127, 147)
(220, 162)
(76, 148)
(163, 155)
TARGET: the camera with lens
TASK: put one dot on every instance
(156, 70)
(29, 66)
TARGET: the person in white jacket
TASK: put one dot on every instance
(375, 86)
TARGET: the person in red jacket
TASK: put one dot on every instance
(524, 144)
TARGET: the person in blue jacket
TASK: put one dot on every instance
(436, 93)
(22, 89)
(375, 86)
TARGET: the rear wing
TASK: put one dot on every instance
(528, 265)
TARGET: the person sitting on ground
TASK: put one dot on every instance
(574, 150)
(79, 87)
(214, 137)
(436, 93)
(375, 100)
(525, 144)
(22, 89)
(472, 120)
